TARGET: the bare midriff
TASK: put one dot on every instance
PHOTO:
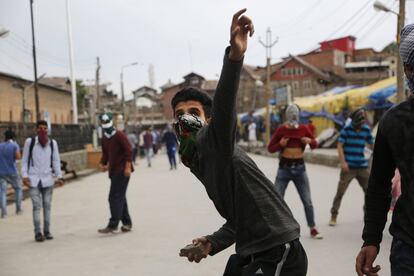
(292, 153)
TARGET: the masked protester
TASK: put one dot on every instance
(40, 167)
(291, 140)
(117, 160)
(352, 141)
(393, 149)
(9, 153)
(258, 221)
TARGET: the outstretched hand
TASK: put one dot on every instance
(241, 28)
(197, 254)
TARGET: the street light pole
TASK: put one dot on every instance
(400, 24)
(72, 65)
(122, 87)
(122, 94)
(268, 45)
(34, 65)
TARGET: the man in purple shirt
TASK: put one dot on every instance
(148, 145)
(9, 153)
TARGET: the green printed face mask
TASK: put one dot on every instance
(186, 129)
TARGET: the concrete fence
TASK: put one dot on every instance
(77, 160)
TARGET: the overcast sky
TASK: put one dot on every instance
(176, 36)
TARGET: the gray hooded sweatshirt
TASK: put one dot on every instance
(257, 218)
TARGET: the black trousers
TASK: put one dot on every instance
(284, 260)
(117, 200)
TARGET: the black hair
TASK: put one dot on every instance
(41, 123)
(9, 134)
(355, 112)
(193, 94)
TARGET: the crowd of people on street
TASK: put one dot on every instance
(258, 220)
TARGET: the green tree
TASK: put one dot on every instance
(81, 92)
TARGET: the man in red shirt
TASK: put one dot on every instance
(116, 158)
(311, 127)
(291, 139)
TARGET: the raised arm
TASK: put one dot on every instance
(223, 122)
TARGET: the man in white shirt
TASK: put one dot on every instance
(40, 165)
(252, 134)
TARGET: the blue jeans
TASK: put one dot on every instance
(171, 157)
(402, 258)
(297, 174)
(14, 180)
(41, 197)
(148, 154)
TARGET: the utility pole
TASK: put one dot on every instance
(400, 69)
(122, 95)
(97, 96)
(96, 106)
(34, 65)
(122, 89)
(268, 46)
(72, 65)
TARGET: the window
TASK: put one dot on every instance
(194, 81)
(295, 85)
(307, 84)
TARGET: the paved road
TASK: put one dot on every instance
(169, 208)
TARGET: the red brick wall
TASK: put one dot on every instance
(278, 75)
(346, 44)
(321, 60)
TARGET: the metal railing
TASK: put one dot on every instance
(69, 137)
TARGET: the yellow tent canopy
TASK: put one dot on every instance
(333, 103)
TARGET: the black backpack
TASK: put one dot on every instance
(30, 159)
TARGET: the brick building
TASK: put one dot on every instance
(251, 89)
(303, 78)
(169, 90)
(336, 62)
(146, 107)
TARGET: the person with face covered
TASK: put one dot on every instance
(351, 146)
(394, 148)
(291, 140)
(117, 160)
(258, 220)
(40, 167)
